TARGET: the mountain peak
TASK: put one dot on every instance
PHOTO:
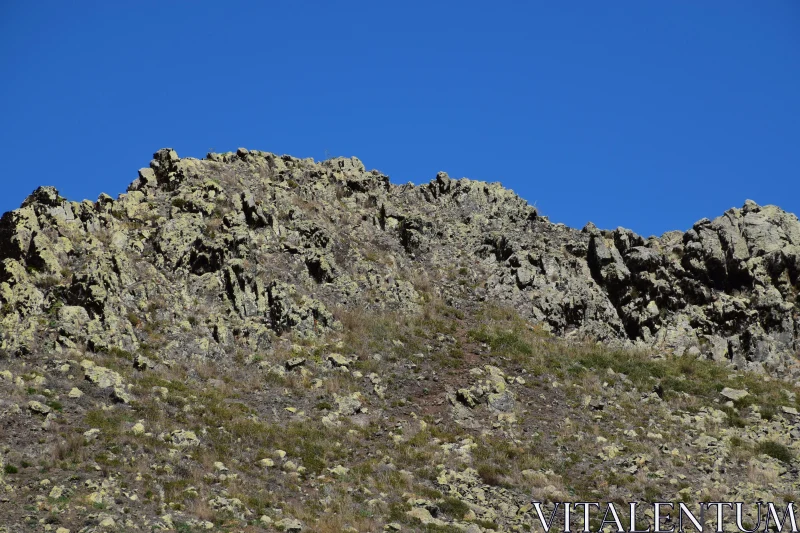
(265, 342)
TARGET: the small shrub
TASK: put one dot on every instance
(734, 419)
(652, 494)
(768, 412)
(490, 475)
(183, 527)
(775, 450)
(10, 469)
(71, 447)
(453, 507)
(53, 309)
(397, 511)
(115, 351)
(133, 319)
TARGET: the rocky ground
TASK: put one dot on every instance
(256, 342)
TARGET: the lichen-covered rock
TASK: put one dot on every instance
(289, 525)
(103, 377)
(232, 506)
(38, 408)
(733, 394)
(182, 438)
(348, 405)
(73, 321)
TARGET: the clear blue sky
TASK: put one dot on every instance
(649, 115)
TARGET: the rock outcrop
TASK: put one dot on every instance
(201, 258)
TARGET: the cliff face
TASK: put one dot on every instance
(227, 252)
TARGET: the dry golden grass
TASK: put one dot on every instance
(201, 510)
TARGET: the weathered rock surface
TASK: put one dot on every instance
(201, 257)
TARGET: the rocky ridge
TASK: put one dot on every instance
(247, 245)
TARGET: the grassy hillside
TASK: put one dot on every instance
(443, 420)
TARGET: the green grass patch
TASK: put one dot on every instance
(503, 342)
(108, 422)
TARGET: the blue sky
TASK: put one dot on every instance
(649, 115)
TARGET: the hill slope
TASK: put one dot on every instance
(253, 335)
